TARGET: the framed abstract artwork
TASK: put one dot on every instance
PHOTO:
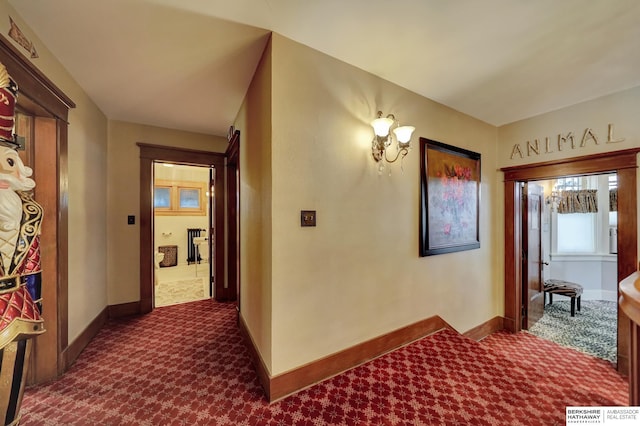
(449, 198)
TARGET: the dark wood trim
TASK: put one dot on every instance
(185, 156)
(485, 329)
(123, 310)
(223, 292)
(232, 156)
(71, 353)
(584, 165)
(513, 261)
(627, 249)
(630, 305)
(258, 363)
(33, 83)
(624, 163)
(148, 154)
(634, 365)
(146, 235)
(40, 97)
(47, 352)
(292, 381)
(280, 386)
(233, 149)
(63, 242)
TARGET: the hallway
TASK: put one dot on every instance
(187, 364)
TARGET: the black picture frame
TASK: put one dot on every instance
(450, 179)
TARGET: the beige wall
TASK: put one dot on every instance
(123, 198)
(358, 275)
(619, 109)
(87, 186)
(87, 214)
(254, 123)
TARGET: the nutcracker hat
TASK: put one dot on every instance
(8, 96)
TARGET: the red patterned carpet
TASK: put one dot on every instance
(187, 365)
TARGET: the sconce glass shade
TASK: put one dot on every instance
(403, 133)
(381, 126)
(383, 140)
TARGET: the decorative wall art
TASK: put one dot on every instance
(16, 34)
(449, 198)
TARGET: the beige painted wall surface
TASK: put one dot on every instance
(123, 198)
(254, 123)
(87, 185)
(357, 275)
(619, 109)
(87, 214)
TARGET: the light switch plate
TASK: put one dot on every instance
(307, 218)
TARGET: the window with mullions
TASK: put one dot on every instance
(569, 184)
(172, 198)
(585, 213)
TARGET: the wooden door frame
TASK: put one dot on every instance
(40, 97)
(624, 163)
(232, 156)
(148, 155)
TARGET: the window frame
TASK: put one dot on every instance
(601, 182)
(175, 189)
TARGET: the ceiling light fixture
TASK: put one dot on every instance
(384, 136)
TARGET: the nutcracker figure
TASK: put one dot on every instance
(20, 275)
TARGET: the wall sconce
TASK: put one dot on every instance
(383, 138)
(553, 200)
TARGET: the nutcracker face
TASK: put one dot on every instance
(13, 173)
(9, 163)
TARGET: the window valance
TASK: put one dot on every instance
(578, 201)
(613, 200)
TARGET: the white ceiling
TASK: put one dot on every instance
(186, 64)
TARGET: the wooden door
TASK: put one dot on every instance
(233, 212)
(532, 292)
(212, 249)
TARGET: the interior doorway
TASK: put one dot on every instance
(183, 254)
(624, 164)
(149, 154)
(575, 229)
